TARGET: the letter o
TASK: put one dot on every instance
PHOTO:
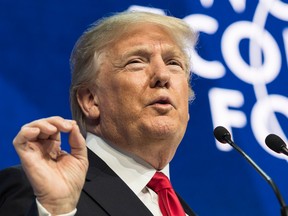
(230, 42)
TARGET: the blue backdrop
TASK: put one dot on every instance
(240, 81)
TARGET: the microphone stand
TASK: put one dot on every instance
(284, 208)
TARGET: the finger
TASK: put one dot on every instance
(26, 134)
(32, 136)
(77, 143)
(52, 149)
(25, 141)
(50, 127)
(62, 125)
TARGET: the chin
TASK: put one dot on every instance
(163, 127)
(164, 130)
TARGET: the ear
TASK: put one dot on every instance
(88, 102)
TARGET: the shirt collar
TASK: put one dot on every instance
(135, 172)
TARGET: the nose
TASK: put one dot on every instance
(160, 74)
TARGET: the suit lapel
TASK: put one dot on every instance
(110, 192)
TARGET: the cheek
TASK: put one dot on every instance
(183, 89)
(130, 86)
(183, 92)
(122, 95)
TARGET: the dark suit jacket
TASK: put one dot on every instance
(103, 194)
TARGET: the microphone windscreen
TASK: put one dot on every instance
(220, 133)
(275, 143)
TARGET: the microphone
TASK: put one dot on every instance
(275, 143)
(223, 136)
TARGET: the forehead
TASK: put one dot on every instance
(145, 35)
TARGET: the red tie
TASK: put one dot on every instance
(168, 201)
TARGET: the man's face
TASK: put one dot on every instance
(142, 91)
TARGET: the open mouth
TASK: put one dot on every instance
(162, 101)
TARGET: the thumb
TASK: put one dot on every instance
(77, 143)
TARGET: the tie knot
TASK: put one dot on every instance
(159, 182)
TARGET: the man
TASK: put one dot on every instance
(129, 97)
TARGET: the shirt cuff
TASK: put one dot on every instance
(43, 212)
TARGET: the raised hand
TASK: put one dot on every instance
(56, 176)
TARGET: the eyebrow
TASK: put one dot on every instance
(146, 51)
(139, 50)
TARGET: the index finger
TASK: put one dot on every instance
(43, 129)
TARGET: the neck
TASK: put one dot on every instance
(158, 153)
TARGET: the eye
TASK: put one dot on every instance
(135, 64)
(174, 62)
(134, 61)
